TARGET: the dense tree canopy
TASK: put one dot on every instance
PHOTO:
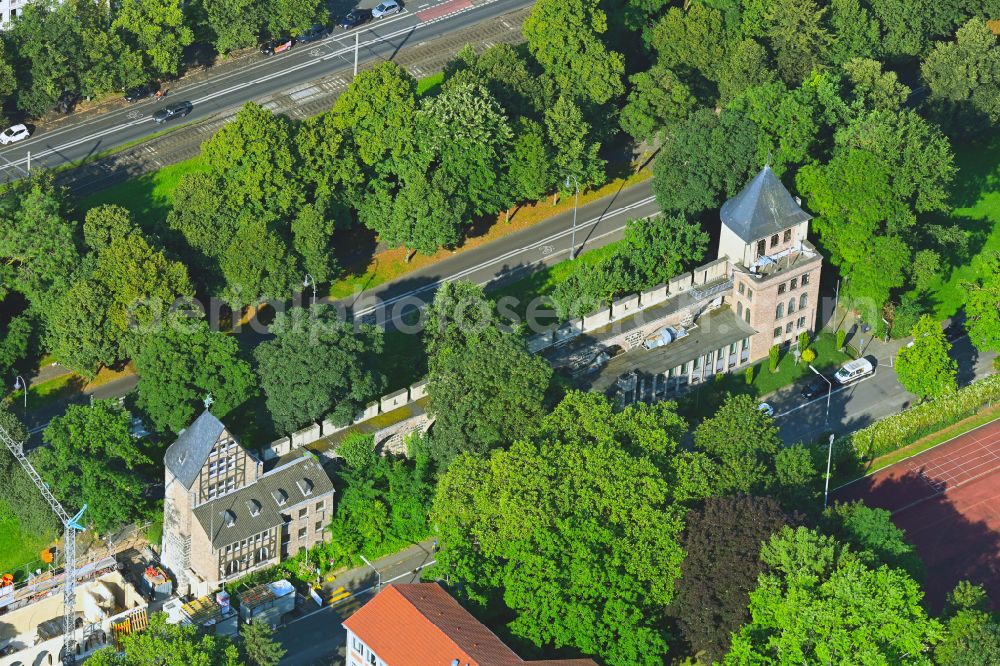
(983, 306)
(537, 525)
(184, 362)
(924, 366)
(317, 366)
(91, 458)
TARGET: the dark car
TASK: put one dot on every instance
(277, 45)
(313, 34)
(141, 92)
(178, 110)
(816, 387)
(355, 18)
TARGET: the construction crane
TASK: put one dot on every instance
(71, 525)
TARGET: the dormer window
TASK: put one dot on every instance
(229, 517)
(254, 507)
(280, 496)
(306, 486)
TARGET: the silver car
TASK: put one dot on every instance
(386, 8)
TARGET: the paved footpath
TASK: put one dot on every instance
(947, 500)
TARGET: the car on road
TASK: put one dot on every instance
(767, 409)
(816, 387)
(313, 34)
(178, 110)
(853, 371)
(141, 92)
(14, 134)
(386, 8)
(279, 45)
(355, 17)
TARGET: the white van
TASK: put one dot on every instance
(853, 370)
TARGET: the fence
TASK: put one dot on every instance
(620, 309)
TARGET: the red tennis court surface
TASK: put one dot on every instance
(947, 500)
(443, 9)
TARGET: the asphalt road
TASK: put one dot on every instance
(74, 141)
(318, 638)
(859, 404)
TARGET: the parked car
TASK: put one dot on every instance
(279, 45)
(178, 110)
(386, 8)
(14, 134)
(816, 387)
(355, 18)
(767, 409)
(141, 92)
(853, 371)
(313, 34)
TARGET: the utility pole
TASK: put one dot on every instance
(829, 456)
(71, 526)
(829, 391)
(576, 206)
(357, 45)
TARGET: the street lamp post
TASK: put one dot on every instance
(21, 384)
(377, 572)
(829, 456)
(310, 281)
(576, 205)
(829, 391)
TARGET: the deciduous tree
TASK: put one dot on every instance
(318, 366)
(722, 541)
(657, 99)
(983, 306)
(184, 362)
(259, 646)
(924, 367)
(91, 459)
(964, 78)
(158, 28)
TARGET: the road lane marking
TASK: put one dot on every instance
(823, 397)
(511, 253)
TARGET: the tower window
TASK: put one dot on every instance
(761, 248)
(774, 240)
(788, 235)
(779, 311)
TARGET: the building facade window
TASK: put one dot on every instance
(761, 248)
(791, 305)
(743, 288)
(749, 294)
(774, 240)
(788, 328)
(794, 283)
(805, 279)
(739, 309)
(779, 311)
(302, 532)
(777, 333)
(746, 315)
(781, 288)
(803, 301)
(788, 235)
(303, 512)
(802, 322)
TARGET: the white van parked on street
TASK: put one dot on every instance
(853, 371)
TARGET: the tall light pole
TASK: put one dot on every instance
(829, 456)
(829, 391)
(21, 384)
(569, 178)
(377, 572)
(309, 281)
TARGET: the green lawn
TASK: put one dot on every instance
(430, 85)
(44, 393)
(148, 197)
(706, 399)
(16, 547)
(977, 211)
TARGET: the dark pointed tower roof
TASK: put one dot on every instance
(187, 455)
(762, 209)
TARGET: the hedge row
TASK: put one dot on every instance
(895, 432)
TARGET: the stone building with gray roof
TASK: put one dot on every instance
(224, 516)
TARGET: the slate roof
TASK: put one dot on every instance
(762, 209)
(187, 455)
(259, 498)
(420, 623)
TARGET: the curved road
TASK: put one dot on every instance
(422, 20)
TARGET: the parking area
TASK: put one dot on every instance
(947, 500)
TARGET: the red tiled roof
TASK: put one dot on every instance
(420, 624)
